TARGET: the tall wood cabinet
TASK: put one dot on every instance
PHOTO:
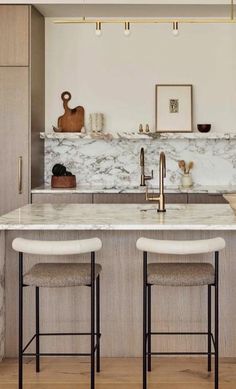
(21, 103)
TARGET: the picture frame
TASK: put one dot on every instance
(174, 108)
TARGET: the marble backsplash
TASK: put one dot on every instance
(115, 163)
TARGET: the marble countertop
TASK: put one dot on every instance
(119, 217)
(231, 135)
(46, 189)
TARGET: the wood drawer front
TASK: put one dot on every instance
(57, 198)
(208, 198)
(134, 198)
(14, 33)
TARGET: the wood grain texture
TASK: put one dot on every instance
(118, 373)
(37, 91)
(135, 198)
(2, 294)
(70, 198)
(176, 309)
(73, 118)
(14, 42)
(14, 113)
(208, 198)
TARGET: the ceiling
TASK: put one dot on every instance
(132, 10)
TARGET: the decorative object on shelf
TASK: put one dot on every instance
(140, 129)
(61, 178)
(174, 108)
(204, 127)
(102, 135)
(186, 180)
(147, 129)
(96, 121)
(73, 119)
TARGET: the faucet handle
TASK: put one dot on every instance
(147, 178)
(150, 198)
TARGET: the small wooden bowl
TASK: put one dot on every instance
(63, 181)
(204, 127)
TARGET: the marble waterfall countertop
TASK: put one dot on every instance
(119, 217)
(46, 189)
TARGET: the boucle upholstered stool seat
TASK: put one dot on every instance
(56, 275)
(180, 274)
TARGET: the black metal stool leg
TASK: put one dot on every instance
(37, 330)
(149, 328)
(209, 327)
(20, 356)
(98, 322)
(92, 320)
(144, 320)
(216, 320)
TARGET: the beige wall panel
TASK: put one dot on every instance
(121, 306)
(14, 33)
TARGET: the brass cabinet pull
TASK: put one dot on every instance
(20, 160)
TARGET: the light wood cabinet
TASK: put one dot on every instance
(57, 198)
(14, 112)
(21, 103)
(14, 33)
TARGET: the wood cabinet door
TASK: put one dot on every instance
(135, 198)
(14, 33)
(59, 198)
(14, 137)
(206, 198)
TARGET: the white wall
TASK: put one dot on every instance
(117, 75)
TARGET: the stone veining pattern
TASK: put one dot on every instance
(115, 163)
(119, 217)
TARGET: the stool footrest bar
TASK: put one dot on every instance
(180, 353)
(57, 354)
(29, 343)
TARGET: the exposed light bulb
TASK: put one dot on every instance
(175, 30)
(127, 31)
(98, 31)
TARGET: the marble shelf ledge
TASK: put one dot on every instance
(46, 189)
(135, 135)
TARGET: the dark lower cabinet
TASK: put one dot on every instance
(208, 198)
(134, 198)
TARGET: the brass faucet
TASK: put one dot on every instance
(162, 175)
(144, 178)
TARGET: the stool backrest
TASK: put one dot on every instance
(68, 247)
(178, 247)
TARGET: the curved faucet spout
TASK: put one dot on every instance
(162, 175)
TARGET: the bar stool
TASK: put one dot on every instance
(180, 274)
(55, 275)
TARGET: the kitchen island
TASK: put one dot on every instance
(118, 226)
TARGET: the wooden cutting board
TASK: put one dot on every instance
(73, 119)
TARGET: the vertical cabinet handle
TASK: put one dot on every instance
(20, 161)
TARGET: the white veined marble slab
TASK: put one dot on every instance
(119, 217)
(116, 163)
(46, 189)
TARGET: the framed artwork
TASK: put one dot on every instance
(174, 108)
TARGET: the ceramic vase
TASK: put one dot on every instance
(187, 180)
